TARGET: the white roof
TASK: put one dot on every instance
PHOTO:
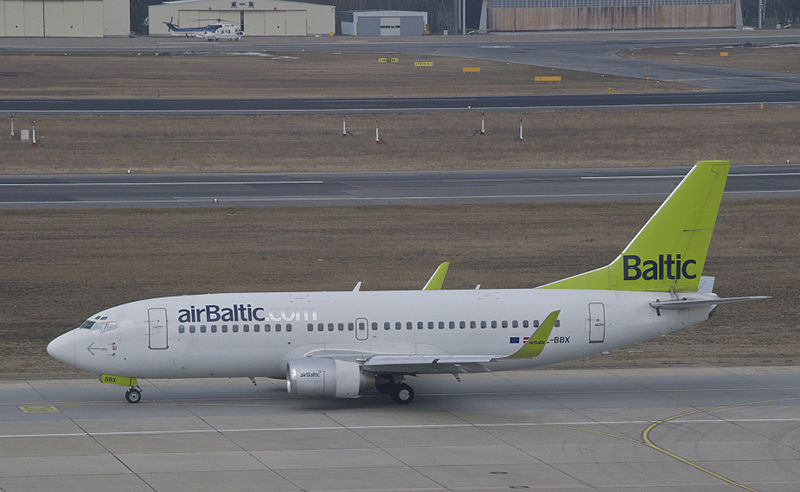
(387, 12)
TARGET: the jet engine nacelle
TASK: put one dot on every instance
(326, 378)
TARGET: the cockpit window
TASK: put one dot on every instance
(99, 326)
(111, 325)
(87, 324)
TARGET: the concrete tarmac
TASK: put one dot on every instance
(682, 428)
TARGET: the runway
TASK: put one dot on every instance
(377, 188)
(701, 428)
(377, 105)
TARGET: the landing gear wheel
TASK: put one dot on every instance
(133, 395)
(402, 394)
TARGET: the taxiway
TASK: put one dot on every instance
(635, 429)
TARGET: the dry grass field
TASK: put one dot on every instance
(59, 267)
(770, 57)
(430, 141)
(303, 74)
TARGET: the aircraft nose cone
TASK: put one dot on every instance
(63, 348)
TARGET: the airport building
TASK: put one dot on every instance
(254, 17)
(384, 23)
(64, 18)
(546, 15)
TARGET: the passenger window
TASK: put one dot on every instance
(558, 322)
(245, 328)
(278, 327)
(310, 326)
(202, 328)
(374, 326)
(351, 327)
(268, 327)
(330, 327)
(213, 328)
(235, 328)
(524, 323)
(386, 325)
(191, 328)
(441, 325)
(505, 324)
(536, 323)
(472, 324)
(462, 324)
(224, 328)
(181, 329)
(398, 325)
(256, 328)
(320, 327)
(483, 324)
(409, 325)
(514, 324)
(341, 326)
(288, 327)
(111, 325)
(494, 324)
(452, 324)
(430, 325)
(420, 325)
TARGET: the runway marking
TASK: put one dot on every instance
(38, 409)
(166, 183)
(571, 425)
(232, 201)
(649, 443)
(670, 176)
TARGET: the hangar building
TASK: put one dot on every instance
(384, 23)
(71, 18)
(544, 15)
(254, 17)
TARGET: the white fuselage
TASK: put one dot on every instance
(256, 334)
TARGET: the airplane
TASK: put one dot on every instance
(346, 344)
(211, 32)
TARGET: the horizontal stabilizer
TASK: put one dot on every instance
(688, 303)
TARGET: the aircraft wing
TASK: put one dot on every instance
(441, 363)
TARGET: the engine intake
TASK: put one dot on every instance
(326, 378)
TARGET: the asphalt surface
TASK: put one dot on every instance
(365, 105)
(377, 188)
(677, 429)
(585, 51)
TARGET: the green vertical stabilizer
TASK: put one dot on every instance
(669, 252)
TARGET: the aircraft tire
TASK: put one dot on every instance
(402, 394)
(133, 395)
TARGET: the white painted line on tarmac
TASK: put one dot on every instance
(393, 427)
(293, 199)
(164, 183)
(670, 176)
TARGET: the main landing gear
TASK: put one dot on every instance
(134, 394)
(400, 392)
